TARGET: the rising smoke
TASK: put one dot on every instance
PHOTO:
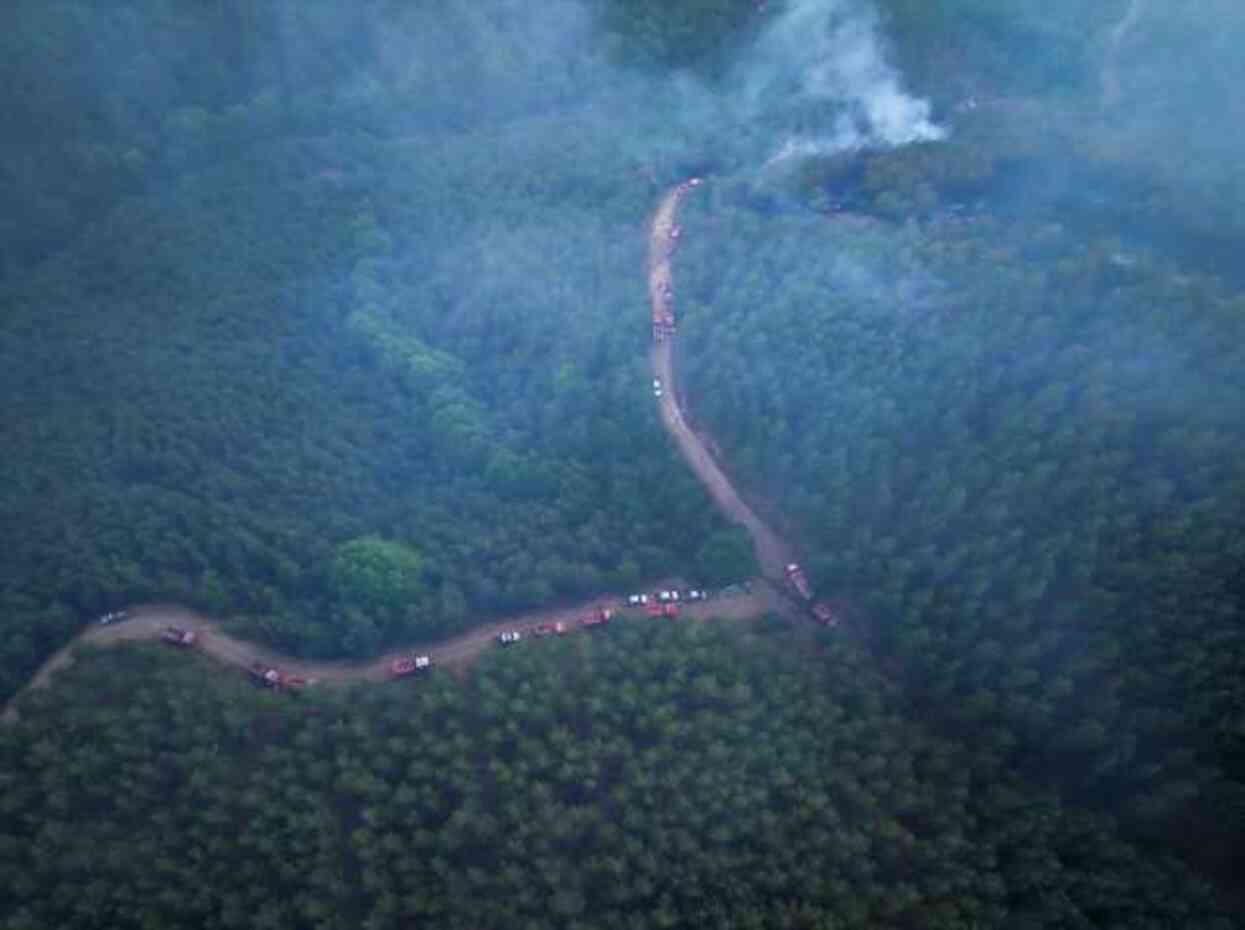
(821, 66)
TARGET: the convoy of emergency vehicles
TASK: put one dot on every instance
(661, 603)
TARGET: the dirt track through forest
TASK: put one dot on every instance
(147, 622)
(771, 552)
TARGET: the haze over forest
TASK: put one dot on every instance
(331, 322)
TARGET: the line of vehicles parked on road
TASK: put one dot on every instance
(662, 603)
(823, 613)
(598, 617)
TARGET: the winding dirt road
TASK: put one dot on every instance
(771, 551)
(146, 622)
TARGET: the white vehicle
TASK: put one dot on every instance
(696, 595)
(509, 638)
(115, 616)
(668, 597)
(657, 387)
(637, 600)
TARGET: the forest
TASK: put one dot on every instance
(330, 321)
(659, 775)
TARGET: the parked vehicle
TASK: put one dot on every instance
(550, 629)
(268, 677)
(509, 637)
(697, 594)
(797, 580)
(637, 600)
(597, 617)
(409, 665)
(657, 387)
(178, 637)
(115, 616)
(825, 615)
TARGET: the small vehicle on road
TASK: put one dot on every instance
(408, 665)
(697, 594)
(268, 677)
(509, 637)
(597, 617)
(637, 600)
(657, 387)
(797, 579)
(825, 615)
(114, 616)
(175, 636)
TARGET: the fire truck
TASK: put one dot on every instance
(825, 615)
(408, 665)
(178, 637)
(266, 676)
(597, 618)
(798, 581)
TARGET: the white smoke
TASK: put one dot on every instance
(822, 61)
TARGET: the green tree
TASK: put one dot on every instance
(726, 556)
(377, 574)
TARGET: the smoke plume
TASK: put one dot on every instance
(820, 66)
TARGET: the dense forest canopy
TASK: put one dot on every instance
(661, 776)
(330, 319)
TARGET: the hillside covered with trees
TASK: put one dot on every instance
(331, 321)
(651, 775)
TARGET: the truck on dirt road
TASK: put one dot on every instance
(825, 615)
(266, 676)
(597, 617)
(408, 665)
(174, 636)
(798, 581)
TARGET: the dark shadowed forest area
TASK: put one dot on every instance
(330, 320)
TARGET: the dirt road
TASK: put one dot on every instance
(771, 551)
(148, 621)
(145, 623)
(1111, 92)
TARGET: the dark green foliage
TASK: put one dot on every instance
(726, 557)
(653, 774)
(377, 574)
(1019, 454)
(270, 286)
(232, 375)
